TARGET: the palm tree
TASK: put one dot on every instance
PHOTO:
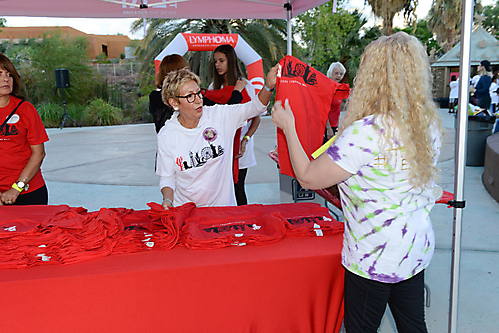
(266, 37)
(444, 19)
(386, 9)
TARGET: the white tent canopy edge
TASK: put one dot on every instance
(266, 9)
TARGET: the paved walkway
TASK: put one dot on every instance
(114, 167)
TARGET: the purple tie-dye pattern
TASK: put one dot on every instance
(407, 254)
(377, 229)
(415, 269)
(376, 213)
(404, 230)
(379, 248)
(334, 153)
(367, 150)
(367, 121)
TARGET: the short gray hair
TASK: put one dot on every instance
(333, 65)
(174, 81)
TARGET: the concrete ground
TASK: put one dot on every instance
(114, 167)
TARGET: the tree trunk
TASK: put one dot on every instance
(388, 25)
(450, 39)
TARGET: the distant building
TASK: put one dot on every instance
(112, 45)
(484, 46)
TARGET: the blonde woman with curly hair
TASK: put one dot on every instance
(384, 161)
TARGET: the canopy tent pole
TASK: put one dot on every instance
(462, 118)
(289, 12)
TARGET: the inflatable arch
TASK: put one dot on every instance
(184, 42)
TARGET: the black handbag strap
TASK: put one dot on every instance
(10, 115)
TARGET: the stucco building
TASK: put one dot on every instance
(112, 45)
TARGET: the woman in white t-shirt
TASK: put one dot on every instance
(226, 73)
(384, 161)
(494, 98)
(454, 93)
(195, 146)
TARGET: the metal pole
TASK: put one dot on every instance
(289, 12)
(460, 158)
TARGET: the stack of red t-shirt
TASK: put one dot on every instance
(216, 227)
(307, 219)
(310, 94)
(56, 234)
(154, 229)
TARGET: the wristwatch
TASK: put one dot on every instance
(267, 88)
(20, 186)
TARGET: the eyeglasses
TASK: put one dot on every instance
(192, 97)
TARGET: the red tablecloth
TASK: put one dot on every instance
(295, 285)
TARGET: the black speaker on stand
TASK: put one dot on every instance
(62, 82)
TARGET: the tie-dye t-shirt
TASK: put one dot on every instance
(388, 233)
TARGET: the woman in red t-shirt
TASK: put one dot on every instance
(22, 137)
(336, 72)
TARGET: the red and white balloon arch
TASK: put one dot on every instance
(184, 42)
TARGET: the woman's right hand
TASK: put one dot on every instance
(240, 84)
(167, 204)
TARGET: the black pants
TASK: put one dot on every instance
(37, 197)
(366, 300)
(239, 188)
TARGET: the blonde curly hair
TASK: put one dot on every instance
(394, 85)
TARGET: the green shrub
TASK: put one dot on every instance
(76, 112)
(101, 113)
(51, 113)
(140, 110)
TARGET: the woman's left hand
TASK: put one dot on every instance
(283, 117)
(10, 196)
(242, 148)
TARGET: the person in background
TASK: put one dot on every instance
(159, 110)
(482, 87)
(494, 98)
(227, 73)
(195, 146)
(22, 138)
(384, 160)
(336, 72)
(454, 93)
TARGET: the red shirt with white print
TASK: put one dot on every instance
(23, 130)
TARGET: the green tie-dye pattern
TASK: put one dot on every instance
(355, 187)
(356, 201)
(408, 252)
(378, 173)
(375, 230)
(354, 268)
(355, 131)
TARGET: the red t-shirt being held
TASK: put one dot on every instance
(23, 130)
(310, 94)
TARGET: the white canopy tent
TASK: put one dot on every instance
(265, 9)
